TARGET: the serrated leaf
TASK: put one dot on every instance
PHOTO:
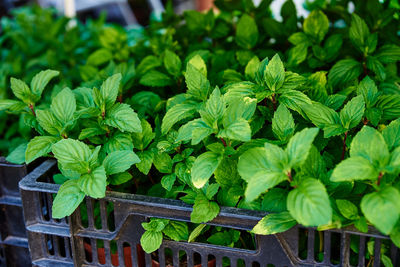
(352, 112)
(382, 208)
(123, 117)
(155, 78)
(63, 106)
(38, 147)
(203, 167)
(283, 123)
(354, 168)
(246, 32)
(274, 73)
(203, 210)
(177, 113)
(72, 154)
(172, 63)
(274, 223)
(316, 25)
(109, 89)
(119, 161)
(299, 146)
(94, 183)
(369, 144)
(40, 80)
(68, 198)
(309, 203)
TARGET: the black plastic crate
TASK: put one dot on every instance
(68, 242)
(13, 239)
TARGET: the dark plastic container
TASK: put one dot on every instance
(13, 239)
(68, 242)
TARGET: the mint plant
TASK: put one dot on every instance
(296, 118)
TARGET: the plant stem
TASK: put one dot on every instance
(223, 141)
(378, 182)
(273, 100)
(151, 178)
(32, 109)
(344, 145)
(120, 98)
(289, 175)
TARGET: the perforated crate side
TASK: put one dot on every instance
(79, 245)
(13, 239)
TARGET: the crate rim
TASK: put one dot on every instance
(151, 206)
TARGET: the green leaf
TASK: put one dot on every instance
(196, 232)
(246, 32)
(172, 63)
(324, 118)
(352, 112)
(388, 53)
(395, 234)
(274, 73)
(212, 189)
(391, 134)
(361, 225)
(47, 121)
(309, 203)
(72, 154)
(99, 57)
(344, 71)
(123, 117)
(17, 156)
(283, 123)
(146, 161)
(196, 130)
(369, 91)
(251, 68)
(369, 144)
(239, 130)
(21, 91)
(155, 79)
(148, 63)
(382, 208)
(358, 32)
(38, 147)
(226, 174)
(274, 200)
(177, 113)
(274, 223)
(109, 89)
(168, 181)
(120, 178)
(143, 139)
(12, 105)
(119, 141)
(63, 106)
(177, 231)
(203, 209)
(196, 82)
(294, 99)
(347, 209)
(261, 182)
(120, 161)
(163, 162)
(68, 198)
(299, 146)
(94, 183)
(203, 167)
(214, 107)
(316, 25)
(354, 168)
(41, 79)
(151, 241)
